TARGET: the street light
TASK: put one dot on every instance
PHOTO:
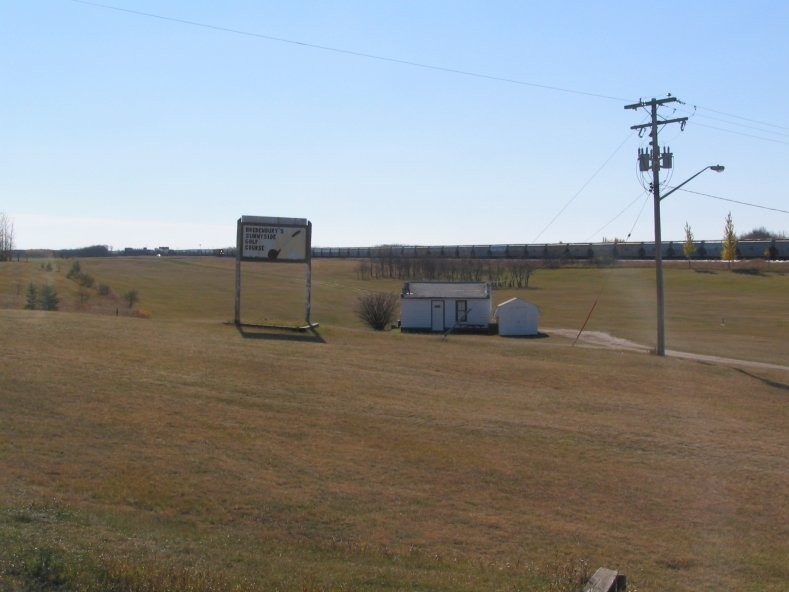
(660, 348)
(718, 168)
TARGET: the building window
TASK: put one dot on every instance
(461, 311)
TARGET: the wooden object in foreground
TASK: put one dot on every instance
(606, 580)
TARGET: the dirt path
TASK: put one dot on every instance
(607, 341)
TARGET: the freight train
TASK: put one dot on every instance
(746, 249)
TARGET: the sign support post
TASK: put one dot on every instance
(237, 317)
(308, 294)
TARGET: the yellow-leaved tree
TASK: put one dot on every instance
(688, 247)
(729, 247)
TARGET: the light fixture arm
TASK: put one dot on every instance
(715, 167)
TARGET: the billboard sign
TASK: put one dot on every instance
(281, 240)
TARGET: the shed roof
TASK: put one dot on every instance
(446, 290)
(516, 303)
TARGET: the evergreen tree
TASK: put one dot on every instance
(31, 297)
(75, 270)
(49, 298)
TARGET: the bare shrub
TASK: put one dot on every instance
(131, 297)
(376, 309)
(86, 280)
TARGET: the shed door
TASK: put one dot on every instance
(437, 315)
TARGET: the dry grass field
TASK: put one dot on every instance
(159, 448)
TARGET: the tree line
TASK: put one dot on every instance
(729, 247)
(514, 273)
(7, 245)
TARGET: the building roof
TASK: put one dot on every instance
(446, 290)
(516, 303)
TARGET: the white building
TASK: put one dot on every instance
(517, 317)
(441, 306)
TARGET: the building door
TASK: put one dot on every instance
(437, 315)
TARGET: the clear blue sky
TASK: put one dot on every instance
(129, 130)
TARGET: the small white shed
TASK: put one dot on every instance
(517, 317)
(441, 306)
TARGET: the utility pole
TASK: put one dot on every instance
(655, 161)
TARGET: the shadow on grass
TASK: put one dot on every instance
(750, 271)
(767, 381)
(279, 333)
(534, 336)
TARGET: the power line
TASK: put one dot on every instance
(350, 52)
(693, 113)
(411, 63)
(743, 118)
(742, 203)
(745, 125)
(622, 211)
(720, 129)
(641, 211)
(577, 193)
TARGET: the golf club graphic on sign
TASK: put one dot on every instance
(274, 253)
(273, 240)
